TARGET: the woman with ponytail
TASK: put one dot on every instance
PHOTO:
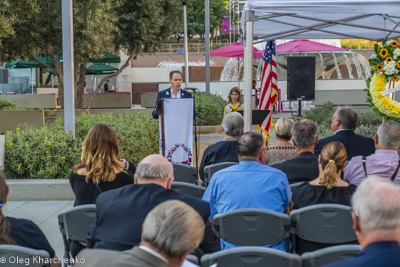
(327, 188)
(21, 232)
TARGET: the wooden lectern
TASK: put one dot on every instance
(160, 112)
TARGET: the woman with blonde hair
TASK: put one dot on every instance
(327, 188)
(100, 168)
(234, 101)
(283, 149)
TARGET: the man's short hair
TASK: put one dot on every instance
(233, 124)
(173, 72)
(250, 144)
(347, 118)
(304, 133)
(389, 134)
(148, 171)
(107, 81)
(376, 203)
(174, 228)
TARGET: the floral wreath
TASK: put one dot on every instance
(385, 68)
(174, 148)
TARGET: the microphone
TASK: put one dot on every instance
(192, 89)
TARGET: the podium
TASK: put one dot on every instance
(176, 129)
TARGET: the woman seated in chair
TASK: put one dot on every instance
(283, 150)
(327, 188)
(100, 169)
(21, 232)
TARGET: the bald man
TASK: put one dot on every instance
(121, 212)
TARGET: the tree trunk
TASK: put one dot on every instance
(80, 87)
(126, 64)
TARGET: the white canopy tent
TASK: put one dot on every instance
(314, 19)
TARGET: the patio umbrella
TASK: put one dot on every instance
(100, 68)
(304, 45)
(235, 50)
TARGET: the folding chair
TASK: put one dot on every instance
(14, 256)
(188, 189)
(251, 256)
(75, 223)
(329, 224)
(184, 173)
(213, 168)
(253, 227)
(294, 186)
(276, 164)
(328, 255)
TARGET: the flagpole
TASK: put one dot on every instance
(248, 56)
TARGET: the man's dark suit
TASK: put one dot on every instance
(121, 213)
(302, 168)
(356, 145)
(135, 257)
(374, 255)
(167, 94)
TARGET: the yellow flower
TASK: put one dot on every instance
(395, 78)
(47, 152)
(59, 122)
(46, 138)
(11, 144)
(379, 67)
(396, 110)
(63, 158)
(19, 167)
(398, 64)
(75, 148)
(394, 43)
(383, 53)
(49, 143)
(388, 60)
(27, 145)
(84, 115)
(17, 129)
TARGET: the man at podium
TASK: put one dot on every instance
(175, 79)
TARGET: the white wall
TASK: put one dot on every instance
(145, 75)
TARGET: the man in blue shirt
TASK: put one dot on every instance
(376, 221)
(250, 184)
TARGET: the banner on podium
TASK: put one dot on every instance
(178, 128)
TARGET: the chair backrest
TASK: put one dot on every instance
(251, 256)
(75, 223)
(13, 256)
(188, 189)
(209, 170)
(184, 173)
(252, 227)
(328, 255)
(294, 186)
(193, 259)
(323, 223)
(276, 164)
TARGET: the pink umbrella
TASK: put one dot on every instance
(303, 45)
(235, 50)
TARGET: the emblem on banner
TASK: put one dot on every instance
(189, 153)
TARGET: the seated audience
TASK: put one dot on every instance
(304, 167)
(234, 101)
(121, 212)
(250, 184)
(376, 221)
(170, 232)
(283, 149)
(100, 169)
(344, 123)
(384, 162)
(225, 150)
(327, 188)
(21, 232)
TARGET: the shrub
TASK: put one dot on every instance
(321, 114)
(49, 152)
(209, 109)
(6, 105)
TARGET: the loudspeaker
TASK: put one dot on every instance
(301, 78)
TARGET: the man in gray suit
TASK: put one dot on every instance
(170, 232)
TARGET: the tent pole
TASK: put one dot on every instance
(32, 80)
(238, 73)
(248, 56)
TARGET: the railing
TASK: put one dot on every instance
(192, 48)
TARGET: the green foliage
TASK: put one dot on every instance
(49, 152)
(209, 109)
(321, 114)
(357, 43)
(6, 105)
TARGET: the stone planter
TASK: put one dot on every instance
(11, 119)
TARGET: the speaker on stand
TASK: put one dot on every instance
(301, 79)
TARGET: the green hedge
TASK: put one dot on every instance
(49, 152)
(209, 109)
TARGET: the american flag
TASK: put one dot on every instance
(269, 87)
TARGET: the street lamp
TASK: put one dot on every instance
(186, 44)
